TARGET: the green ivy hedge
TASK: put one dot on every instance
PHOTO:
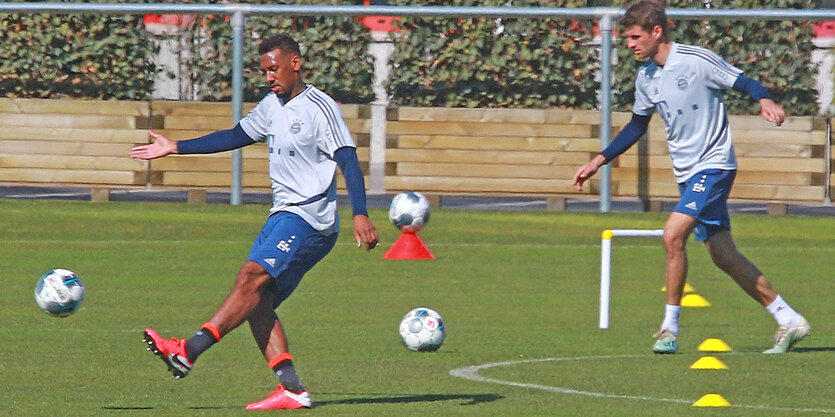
(775, 53)
(334, 51)
(484, 62)
(465, 62)
(83, 56)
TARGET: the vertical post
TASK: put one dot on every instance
(606, 26)
(605, 276)
(827, 156)
(238, 23)
(381, 48)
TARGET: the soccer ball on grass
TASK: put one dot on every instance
(422, 329)
(59, 292)
(409, 211)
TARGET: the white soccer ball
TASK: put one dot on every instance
(422, 329)
(59, 292)
(409, 211)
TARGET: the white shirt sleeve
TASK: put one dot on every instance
(256, 123)
(331, 131)
(717, 73)
(643, 105)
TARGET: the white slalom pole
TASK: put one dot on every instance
(606, 265)
(605, 277)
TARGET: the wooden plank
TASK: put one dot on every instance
(64, 148)
(210, 124)
(742, 177)
(489, 157)
(69, 121)
(199, 163)
(70, 106)
(775, 135)
(545, 116)
(49, 161)
(751, 122)
(444, 114)
(499, 143)
(489, 129)
(417, 169)
(76, 135)
(740, 191)
(212, 179)
(193, 108)
(481, 185)
(72, 176)
(745, 164)
(778, 150)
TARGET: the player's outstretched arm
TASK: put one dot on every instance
(160, 147)
(772, 111)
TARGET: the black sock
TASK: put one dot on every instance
(199, 343)
(286, 373)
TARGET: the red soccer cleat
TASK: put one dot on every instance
(281, 399)
(172, 351)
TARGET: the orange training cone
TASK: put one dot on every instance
(408, 246)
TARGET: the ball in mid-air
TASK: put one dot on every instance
(422, 329)
(59, 292)
(409, 211)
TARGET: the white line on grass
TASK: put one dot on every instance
(471, 373)
(433, 244)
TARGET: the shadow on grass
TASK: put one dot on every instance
(813, 349)
(469, 399)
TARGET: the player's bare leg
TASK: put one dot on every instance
(792, 327)
(676, 231)
(267, 329)
(725, 255)
(272, 340)
(244, 297)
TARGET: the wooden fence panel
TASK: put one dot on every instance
(436, 150)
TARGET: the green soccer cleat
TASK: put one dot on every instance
(666, 342)
(786, 337)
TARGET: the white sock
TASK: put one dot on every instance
(671, 314)
(783, 313)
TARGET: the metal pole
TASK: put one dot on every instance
(238, 23)
(827, 157)
(606, 26)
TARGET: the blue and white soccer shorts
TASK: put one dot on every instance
(287, 248)
(705, 197)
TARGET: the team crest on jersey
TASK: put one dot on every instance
(296, 127)
(681, 82)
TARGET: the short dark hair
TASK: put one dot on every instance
(647, 14)
(283, 42)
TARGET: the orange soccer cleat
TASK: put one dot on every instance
(171, 351)
(281, 399)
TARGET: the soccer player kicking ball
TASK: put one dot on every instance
(684, 85)
(306, 138)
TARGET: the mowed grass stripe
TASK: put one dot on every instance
(510, 285)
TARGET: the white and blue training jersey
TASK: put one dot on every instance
(687, 93)
(302, 136)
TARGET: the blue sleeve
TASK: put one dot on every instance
(627, 136)
(346, 158)
(222, 140)
(753, 88)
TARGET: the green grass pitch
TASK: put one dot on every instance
(514, 287)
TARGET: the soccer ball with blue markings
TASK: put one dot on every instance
(422, 329)
(59, 292)
(409, 211)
